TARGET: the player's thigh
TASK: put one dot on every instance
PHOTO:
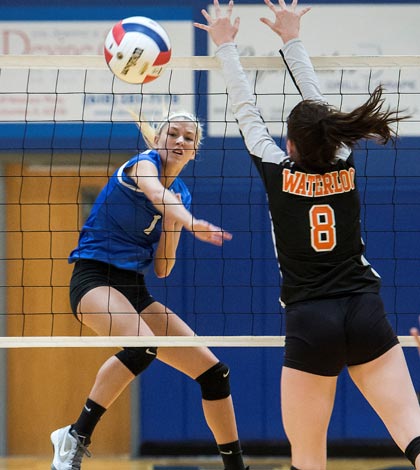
(386, 384)
(384, 381)
(164, 322)
(192, 361)
(108, 312)
(307, 401)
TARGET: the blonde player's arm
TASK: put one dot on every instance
(165, 256)
(145, 175)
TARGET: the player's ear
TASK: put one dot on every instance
(290, 147)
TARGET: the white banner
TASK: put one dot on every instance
(51, 95)
(351, 29)
(328, 30)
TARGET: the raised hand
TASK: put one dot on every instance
(209, 233)
(414, 332)
(221, 29)
(287, 20)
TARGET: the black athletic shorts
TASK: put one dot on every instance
(88, 274)
(324, 336)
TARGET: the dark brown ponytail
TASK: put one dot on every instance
(317, 130)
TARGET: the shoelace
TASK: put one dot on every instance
(81, 451)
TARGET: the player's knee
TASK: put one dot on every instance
(214, 382)
(137, 359)
(413, 450)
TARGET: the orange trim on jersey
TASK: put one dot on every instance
(314, 185)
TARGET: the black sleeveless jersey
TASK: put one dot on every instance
(315, 217)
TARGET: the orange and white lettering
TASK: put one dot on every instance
(315, 185)
(289, 181)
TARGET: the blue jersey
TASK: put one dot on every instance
(124, 227)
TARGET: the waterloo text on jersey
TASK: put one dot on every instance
(315, 185)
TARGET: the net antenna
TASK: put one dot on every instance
(65, 128)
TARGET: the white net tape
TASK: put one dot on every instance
(159, 341)
(210, 63)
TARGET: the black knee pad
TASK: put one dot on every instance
(214, 382)
(413, 450)
(137, 359)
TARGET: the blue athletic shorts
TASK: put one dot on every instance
(324, 336)
(88, 274)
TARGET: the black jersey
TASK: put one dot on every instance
(315, 217)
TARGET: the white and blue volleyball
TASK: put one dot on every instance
(137, 49)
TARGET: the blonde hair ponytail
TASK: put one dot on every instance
(150, 131)
(146, 129)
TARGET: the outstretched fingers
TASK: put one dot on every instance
(208, 18)
(220, 26)
(218, 10)
(303, 11)
(271, 5)
(206, 15)
(201, 26)
(283, 6)
(415, 333)
(286, 21)
(267, 21)
(218, 237)
(236, 23)
(210, 233)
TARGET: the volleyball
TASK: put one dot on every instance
(137, 49)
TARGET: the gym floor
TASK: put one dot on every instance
(27, 463)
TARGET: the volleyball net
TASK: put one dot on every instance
(66, 125)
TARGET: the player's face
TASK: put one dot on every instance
(177, 142)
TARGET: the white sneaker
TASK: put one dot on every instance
(68, 449)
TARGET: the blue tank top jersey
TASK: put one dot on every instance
(124, 227)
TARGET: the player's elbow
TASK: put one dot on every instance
(156, 198)
(161, 274)
(163, 268)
